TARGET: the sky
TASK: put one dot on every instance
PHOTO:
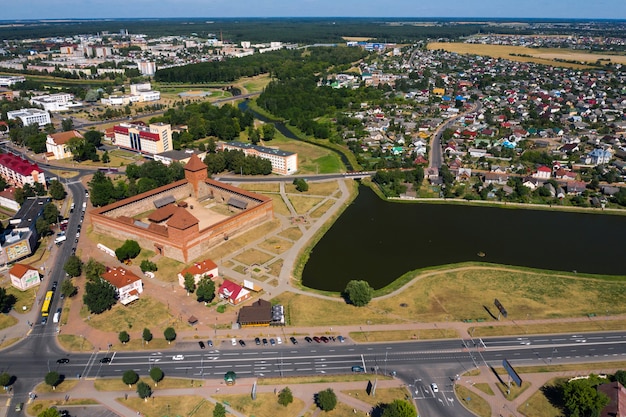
(66, 9)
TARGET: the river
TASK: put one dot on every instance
(379, 241)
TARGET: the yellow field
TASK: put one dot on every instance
(545, 56)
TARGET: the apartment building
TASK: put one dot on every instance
(18, 171)
(153, 139)
(30, 116)
(283, 163)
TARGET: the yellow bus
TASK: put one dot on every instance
(45, 308)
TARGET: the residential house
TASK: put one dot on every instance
(233, 293)
(543, 172)
(617, 399)
(563, 174)
(57, 144)
(127, 285)
(495, 178)
(24, 277)
(598, 156)
(576, 187)
(532, 183)
(464, 174)
(198, 270)
(258, 314)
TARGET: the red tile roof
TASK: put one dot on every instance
(199, 268)
(63, 137)
(182, 219)
(19, 270)
(195, 164)
(17, 164)
(120, 277)
(162, 213)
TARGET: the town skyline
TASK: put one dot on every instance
(489, 9)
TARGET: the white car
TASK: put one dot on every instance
(434, 387)
(178, 357)
(233, 341)
(279, 340)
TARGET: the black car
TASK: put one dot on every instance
(63, 360)
(308, 339)
(201, 343)
(242, 343)
(105, 360)
(257, 341)
(44, 320)
(264, 342)
(293, 340)
(54, 285)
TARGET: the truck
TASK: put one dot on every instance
(60, 239)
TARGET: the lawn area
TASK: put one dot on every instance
(113, 243)
(403, 335)
(293, 233)
(383, 395)
(302, 204)
(254, 84)
(116, 384)
(539, 405)
(180, 405)
(312, 159)
(275, 267)
(7, 321)
(318, 212)
(260, 187)
(253, 256)
(514, 392)
(139, 344)
(484, 387)
(472, 401)
(279, 205)
(64, 173)
(324, 188)
(276, 245)
(318, 379)
(64, 386)
(265, 405)
(168, 269)
(240, 241)
(341, 410)
(23, 298)
(75, 343)
(545, 328)
(145, 312)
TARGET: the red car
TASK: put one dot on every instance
(317, 339)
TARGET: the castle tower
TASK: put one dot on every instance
(195, 172)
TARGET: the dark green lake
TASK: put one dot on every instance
(379, 241)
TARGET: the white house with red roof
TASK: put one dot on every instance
(543, 172)
(127, 285)
(24, 277)
(232, 292)
(18, 171)
(198, 270)
(57, 144)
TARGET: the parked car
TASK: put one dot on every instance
(178, 357)
(293, 340)
(264, 342)
(242, 343)
(308, 339)
(341, 339)
(272, 342)
(279, 340)
(210, 343)
(201, 343)
(317, 339)
(324, 339)
(233, 341)
(257, 341)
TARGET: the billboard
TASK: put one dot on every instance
(512, 373)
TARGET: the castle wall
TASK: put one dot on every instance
(146, 203)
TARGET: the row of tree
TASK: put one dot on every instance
(236, 161)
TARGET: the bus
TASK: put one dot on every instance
(45, 308)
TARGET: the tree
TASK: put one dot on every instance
(105, 157)
(68, 288)
(147, 335)
(67, 124)
(94, 269)
(144, 390)
(399, 408)
(157, 375)
(269, 131)
(124, 337)
(56, 190)
(130, 377)
(206, 290)
(5, 379)
(219, 410)
(620, 376)
(169, 334)
(50, 412)
(43, 227)
(73, 266)
(285, 397)
(358, 293)
(6, 301)
(129, 250)
(99, 296)
(53, 379)
(581, 398)
(147, 265)
(326, 400)
(51, 213)
(301, 184)
(190, 283)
